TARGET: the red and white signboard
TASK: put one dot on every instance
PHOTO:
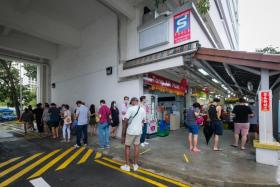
(265, 101)
(182, 27)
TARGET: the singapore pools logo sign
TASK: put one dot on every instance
(182, 27)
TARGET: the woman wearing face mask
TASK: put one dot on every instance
(115, 119)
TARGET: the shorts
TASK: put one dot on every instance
(53, 124)
(254, 128)
(132, 139)
(217, 127)
(114, 124)
(193, 129)
(241, 127)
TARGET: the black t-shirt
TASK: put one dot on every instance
(242, 113)
(54, 114)
(38, 113)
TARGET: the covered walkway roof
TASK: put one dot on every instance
(236, 68)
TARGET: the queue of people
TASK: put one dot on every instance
(244, 117)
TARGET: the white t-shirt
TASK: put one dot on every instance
(135, 128)
(82, 111)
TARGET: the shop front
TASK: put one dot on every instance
(166, 100)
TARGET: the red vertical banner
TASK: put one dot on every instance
(182, 27)
(265, 101)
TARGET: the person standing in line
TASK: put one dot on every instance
(67, 123)
(115, 118)
(143, 141)
(45, 120)
(27, 118)
(124, 107)
(132, 131)
(92, 120)
(31, 125)
(54, 120)
(215, 112)
(254, 120)
(241, 123)
(38, 112)
(103, 126)
(82, 116)
(191, 115)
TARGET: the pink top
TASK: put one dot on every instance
(104, 112)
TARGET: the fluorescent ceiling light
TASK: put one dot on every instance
(202, 71)
(215, 80)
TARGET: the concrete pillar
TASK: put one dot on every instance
(42, 83)
(188, 99)
(266, 150)
(39, 84)
(265, 117)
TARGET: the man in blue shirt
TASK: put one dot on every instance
(82, 113)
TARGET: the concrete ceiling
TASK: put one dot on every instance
(77, 14)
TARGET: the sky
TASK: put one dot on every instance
(259, 24)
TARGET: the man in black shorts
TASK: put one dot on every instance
(215, 112)
(54, 119)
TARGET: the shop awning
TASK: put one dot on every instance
(237, 68)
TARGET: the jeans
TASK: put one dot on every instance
(66, 128)
(103, 134)
(144, 133)
(81, 131)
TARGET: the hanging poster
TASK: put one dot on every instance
(182, 27)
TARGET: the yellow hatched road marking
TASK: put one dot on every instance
(51, 163)
(19, 164)
(98, 155)
(70, 159)
(8, 161)
(150, 173)
(86, 156)
(27, 169)
(131, 174)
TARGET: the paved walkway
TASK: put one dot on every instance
(165, 155)
(230, 167)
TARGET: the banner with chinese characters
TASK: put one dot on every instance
(162, 84)
(265, 101)
(182, 27)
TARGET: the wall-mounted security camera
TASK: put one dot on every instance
(165, 13)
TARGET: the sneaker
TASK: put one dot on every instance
(142, 145)
(146, 143)
(108, 146)
(101, 148)
(76, 146)
(125, 168)
(135, 167)
(85, 145)
(63, 140)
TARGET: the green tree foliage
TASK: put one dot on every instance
(203, 6)
(10, 86)
(31, 71)
(269, 50)
(9, 79)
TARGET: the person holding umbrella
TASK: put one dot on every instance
(192, 114)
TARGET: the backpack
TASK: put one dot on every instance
(212, 112)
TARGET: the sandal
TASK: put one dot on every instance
(235, 146)
(218, 149)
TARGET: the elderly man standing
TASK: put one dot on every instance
(132, 130)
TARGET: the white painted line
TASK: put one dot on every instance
(39, 182)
